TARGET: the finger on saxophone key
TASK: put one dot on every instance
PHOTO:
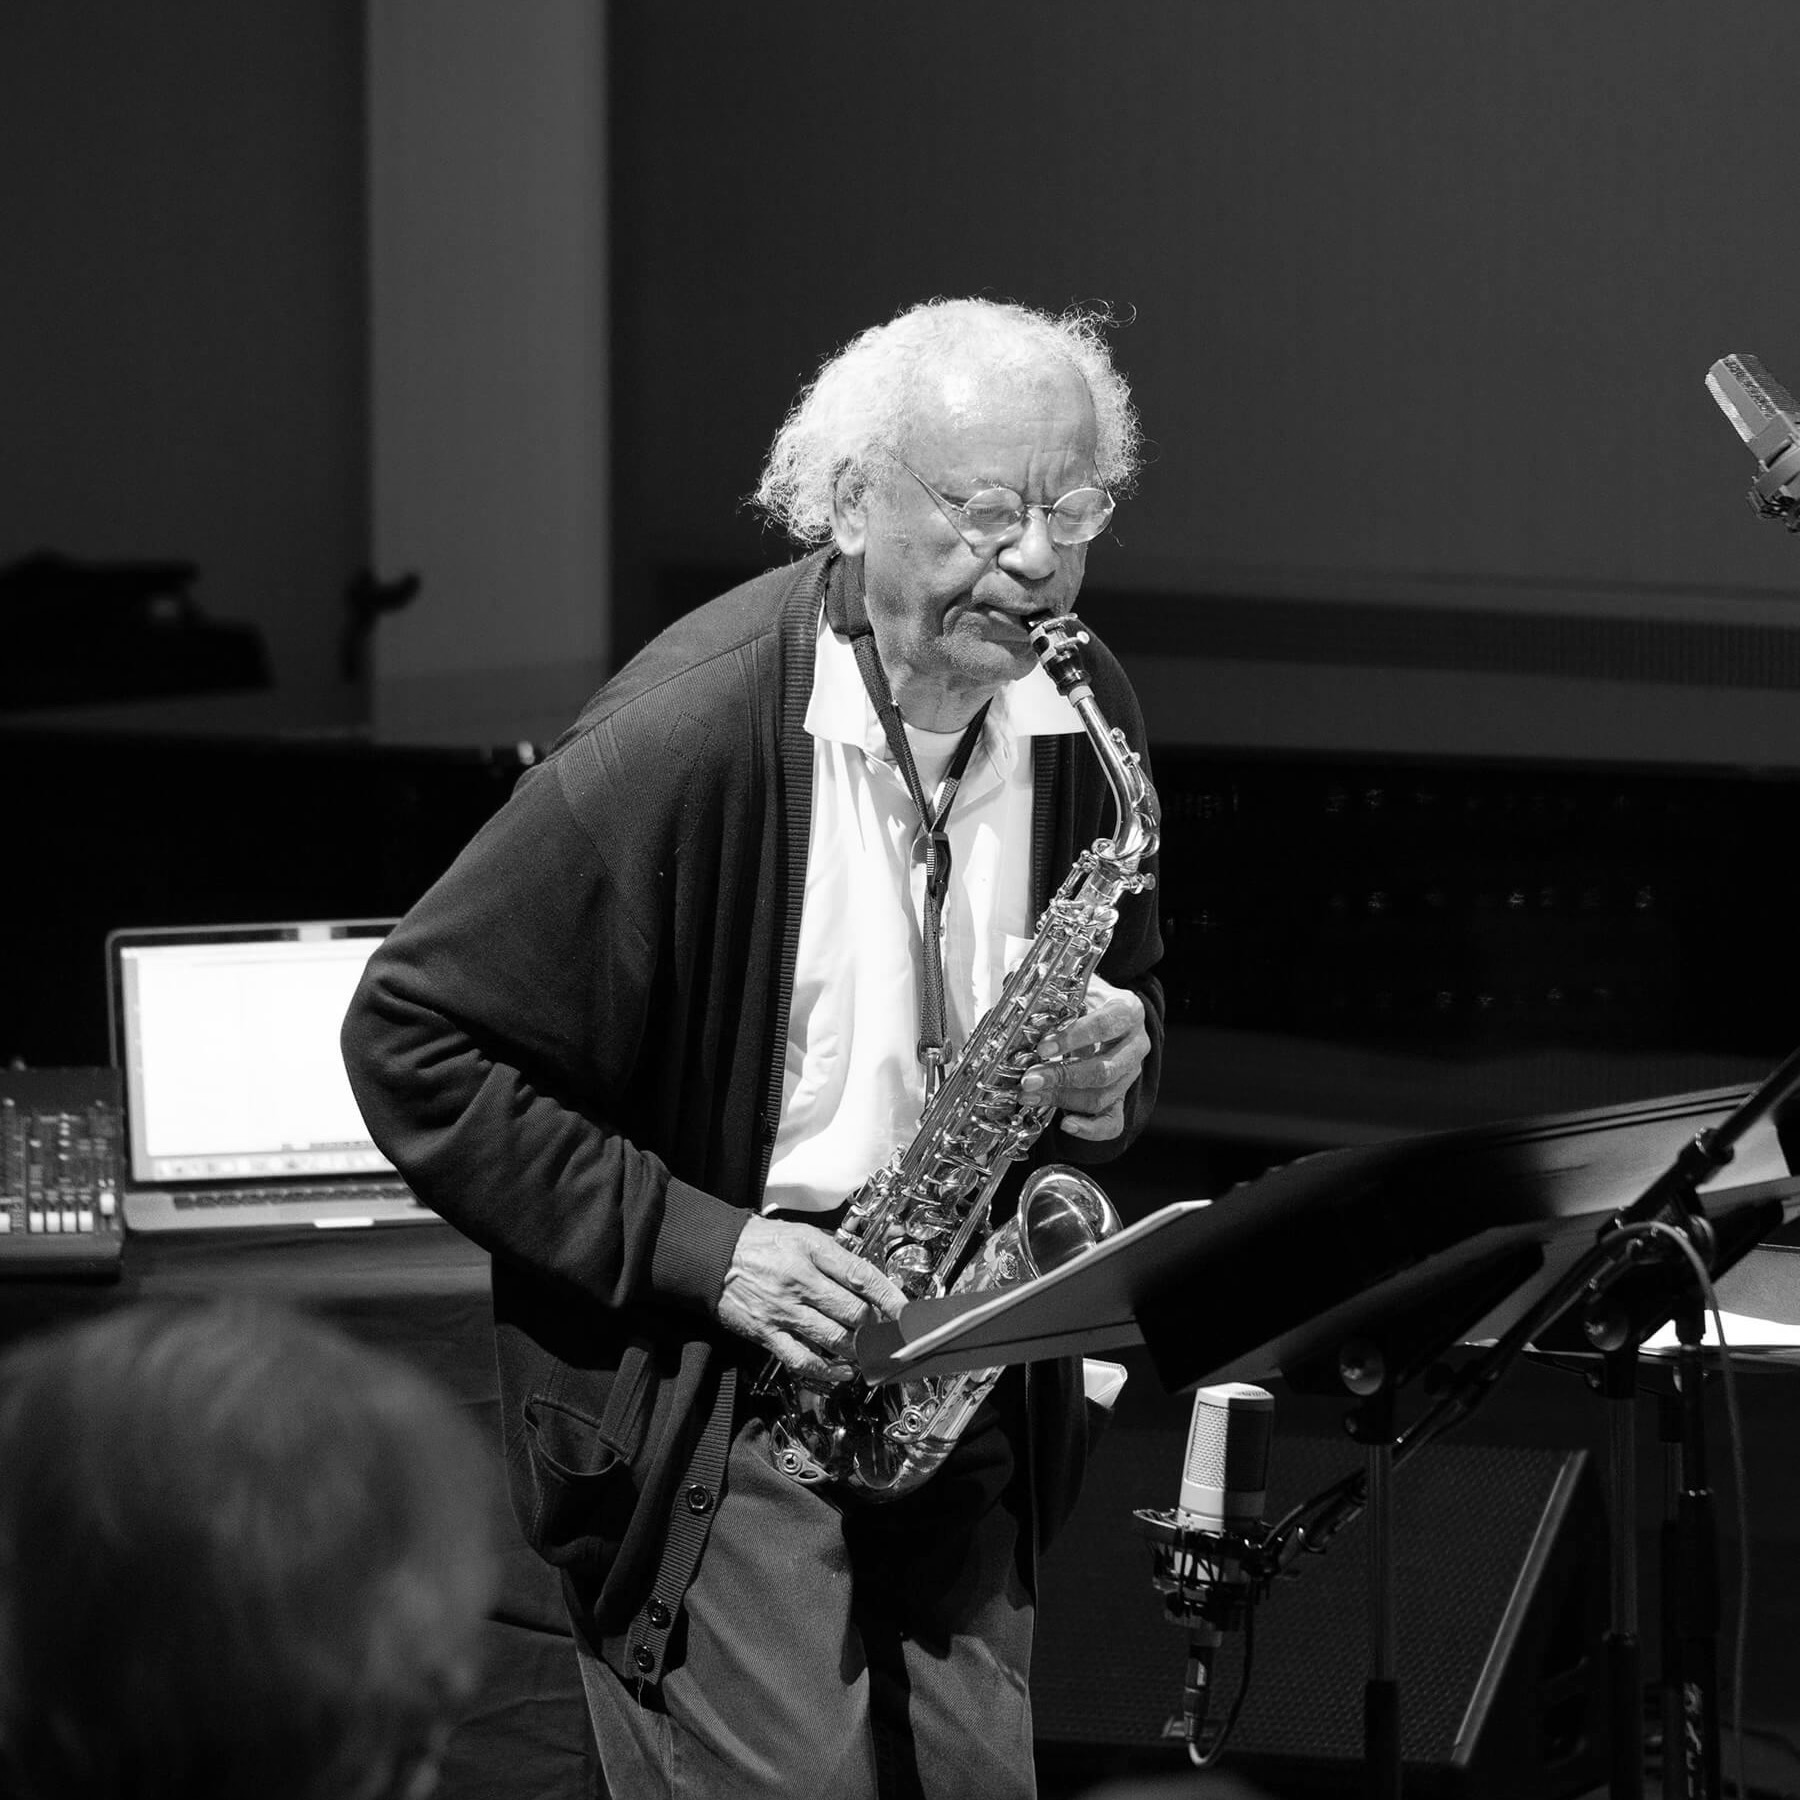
(866, 1282)
(1046, 1075)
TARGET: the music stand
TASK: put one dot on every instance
(1353, 1272)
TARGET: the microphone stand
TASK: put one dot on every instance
(1690, 1565)
(1622, 1308)
(1624, 1656)
(1364, 1372)
(1689, 1558)
(1381, 1692)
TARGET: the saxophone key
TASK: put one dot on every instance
(909, 1267)
(909, 1426)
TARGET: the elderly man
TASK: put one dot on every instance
(685, 993)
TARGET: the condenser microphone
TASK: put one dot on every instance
(1205, 1548)
(1768, 420)
(1225, 1474)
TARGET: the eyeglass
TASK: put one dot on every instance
(996, 516)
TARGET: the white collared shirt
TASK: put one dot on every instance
(852, 1090)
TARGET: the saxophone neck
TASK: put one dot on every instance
(1057, 639)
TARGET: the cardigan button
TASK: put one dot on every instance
(658, 1615)
(699, 1500)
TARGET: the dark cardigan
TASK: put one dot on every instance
(573, 1049)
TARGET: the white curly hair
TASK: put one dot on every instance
(854, 417)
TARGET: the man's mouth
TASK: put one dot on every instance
(1007, 623)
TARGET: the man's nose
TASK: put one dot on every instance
(1032, 554)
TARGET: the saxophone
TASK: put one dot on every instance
(919, 1218)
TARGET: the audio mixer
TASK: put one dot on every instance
(59, 1159)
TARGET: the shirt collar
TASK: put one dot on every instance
(840, 712)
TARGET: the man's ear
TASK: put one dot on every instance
(850, 513)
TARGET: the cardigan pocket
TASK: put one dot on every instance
(583, 1486)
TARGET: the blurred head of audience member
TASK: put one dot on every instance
(240, 1555)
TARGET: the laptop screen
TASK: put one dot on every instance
(227, 1040)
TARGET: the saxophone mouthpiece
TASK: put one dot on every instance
(1057, 638)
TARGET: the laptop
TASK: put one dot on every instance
(237, 1111)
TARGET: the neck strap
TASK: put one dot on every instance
(846, 615)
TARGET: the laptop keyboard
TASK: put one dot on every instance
(349, 1193)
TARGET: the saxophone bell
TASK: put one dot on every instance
(1062, 1215)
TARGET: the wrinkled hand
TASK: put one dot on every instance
(798, 1292)
(1087, 1067)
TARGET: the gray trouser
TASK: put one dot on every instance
(874, 1653)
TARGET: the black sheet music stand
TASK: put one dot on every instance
(1353, 1272)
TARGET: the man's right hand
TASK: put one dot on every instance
(798, 1292)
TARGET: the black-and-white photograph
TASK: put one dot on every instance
(897, 900)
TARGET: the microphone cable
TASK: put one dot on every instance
(1196, 1699)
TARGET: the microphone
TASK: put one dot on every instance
(1207, 1560)
(1768, 420)
(1225, 1475)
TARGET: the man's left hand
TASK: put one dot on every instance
(1087, 1067)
